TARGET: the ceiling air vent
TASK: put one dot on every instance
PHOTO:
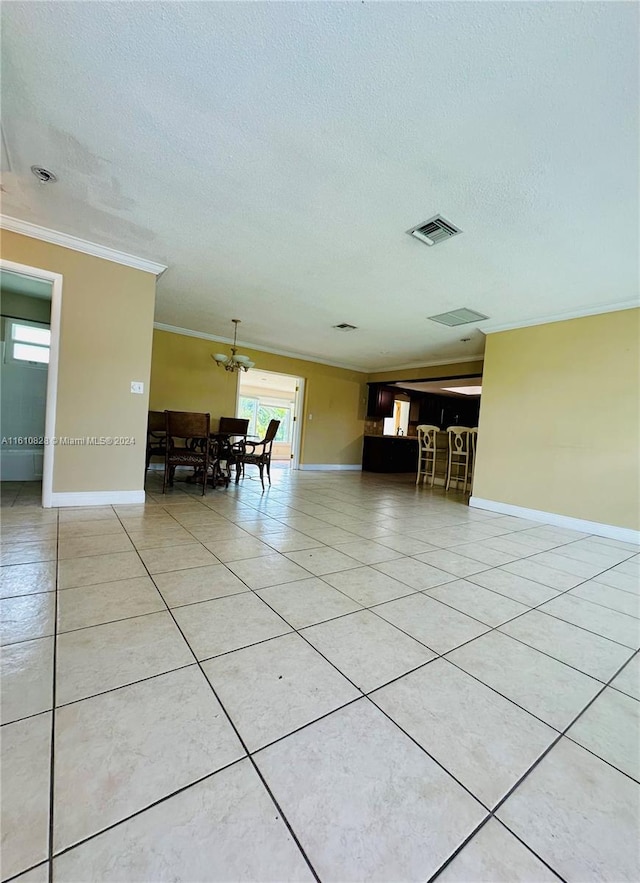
(463, 316)
(434, 231)
(344, 326)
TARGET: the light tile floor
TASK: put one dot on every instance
(345, 678)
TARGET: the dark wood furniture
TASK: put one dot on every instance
(256, 453)
(390, 453)
(380, 401)
(233, 426)
(156, 436)
(188, 444)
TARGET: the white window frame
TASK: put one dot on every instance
(10, 341)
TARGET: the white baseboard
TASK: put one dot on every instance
(97, 498)
(611, 531)
(331, 467)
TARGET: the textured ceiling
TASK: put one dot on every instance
(273, 154)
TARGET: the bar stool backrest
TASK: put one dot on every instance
(460, 439)
(427, 436)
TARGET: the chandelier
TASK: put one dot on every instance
(234, 362)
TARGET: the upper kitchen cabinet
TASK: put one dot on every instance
(381, 401)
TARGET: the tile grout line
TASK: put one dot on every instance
(53, 712)
(236, 731)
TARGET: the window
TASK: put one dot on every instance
(259, 412)
(28, 342)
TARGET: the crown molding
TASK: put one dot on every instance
(434, 364)
(15, 225)
(188, 332)
(563, 317)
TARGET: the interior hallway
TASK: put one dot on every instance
(345, 677)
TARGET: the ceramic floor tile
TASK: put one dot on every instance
(103, 657)
(307, 602)
(273, 688)
(517, 587)
(26, 617)
(494, 855)
(628, 681)
(578, 814)
(452, 562)
(368, 586)
(24, 812)
(169, 731)
(26, 679)
(365, 648)
(215, 533)
(557, 561)
(196, 584)
(488, 556)
(437, 625)
(598, 657)
(292, 541)
(107, 602)
(594, 618)
(35, 875)
(610, 728)
(176, 558)
(90, 528)
(482, 739)
(270, 570)
(406, 545)
(334, 782)
(414, 573)
(368, 552)
(161, 537)
(547, 688)
(95, 569)
(229, 623)
(626, 582)
(27, 553)
(81, 547)
(606, 596)
(482, 604)
(223, 829)
(238, 549)
(323, 560)
(87, 513)
(27, 579)
(542, 573)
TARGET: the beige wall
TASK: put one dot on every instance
(105, 343)
(559, 419)
(184, 377)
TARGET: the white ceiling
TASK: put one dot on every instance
(274, 154)
(443, 387)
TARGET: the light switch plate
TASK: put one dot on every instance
(137, 386)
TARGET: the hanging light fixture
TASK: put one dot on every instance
(234, 362)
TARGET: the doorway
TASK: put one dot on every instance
(30, 326)
(265, 396)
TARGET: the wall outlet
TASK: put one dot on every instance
(137, 386)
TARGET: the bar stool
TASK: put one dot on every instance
(459, 459)
(427, 435)
(474, 441)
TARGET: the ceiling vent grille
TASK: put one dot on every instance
(344, 326)
(434, 231)
(463, 316)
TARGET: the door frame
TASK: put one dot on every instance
(52, 372)
(298, 406)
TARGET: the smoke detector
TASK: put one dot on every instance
(344, 326)
(44, 175)
(434, 231)
(463, 316)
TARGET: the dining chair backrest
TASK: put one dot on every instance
(233, 425)
(156, 421)
(272, 430)
(187, 424)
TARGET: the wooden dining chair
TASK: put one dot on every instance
(156, 436)
(187, 444)
(233, 426)
(257, 453)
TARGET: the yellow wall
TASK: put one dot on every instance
(105, 343)
(559, 419)
(184, 377)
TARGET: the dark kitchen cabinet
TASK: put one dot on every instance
(388, 453)
(381, 401)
